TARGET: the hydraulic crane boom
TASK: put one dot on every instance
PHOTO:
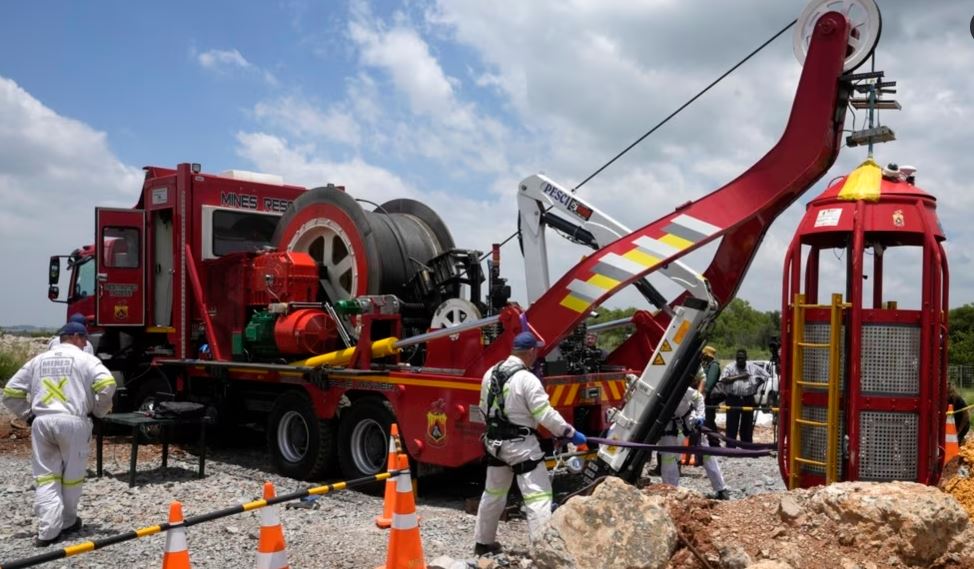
(739, 214)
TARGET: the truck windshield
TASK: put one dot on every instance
(237, 232)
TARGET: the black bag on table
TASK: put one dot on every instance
(179, 410)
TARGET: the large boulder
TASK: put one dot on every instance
(916, 523)
(617, 527)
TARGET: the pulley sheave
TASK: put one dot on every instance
(865, 22)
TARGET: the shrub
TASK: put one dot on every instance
(11, 358)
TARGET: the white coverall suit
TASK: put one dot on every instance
(526, 405)
(60, 387)
(691, 407)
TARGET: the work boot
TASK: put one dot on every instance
(723, 495)
(486, 548)
(76, 526)
(38, 542)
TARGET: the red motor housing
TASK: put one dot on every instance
(306, 331)
(287, 276)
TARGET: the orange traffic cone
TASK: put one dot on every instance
(405, 545)
(271, 553)
(951, 448)
(385, 520)
(176, 555)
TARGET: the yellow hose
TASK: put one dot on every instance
(380, 349)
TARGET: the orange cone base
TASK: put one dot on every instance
(176, 560)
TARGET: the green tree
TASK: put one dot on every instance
(961, 320)
(610, 339)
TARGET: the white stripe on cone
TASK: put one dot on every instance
(269, 517)
(274, 560)
(176, 540)
(404, 484)
(951, 438)
(404, 521)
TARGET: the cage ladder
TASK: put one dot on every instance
(799, 384)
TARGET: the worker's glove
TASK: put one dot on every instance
(697, 424)
(578, 438)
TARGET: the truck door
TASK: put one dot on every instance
(120, 258)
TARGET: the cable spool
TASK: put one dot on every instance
(362, 252)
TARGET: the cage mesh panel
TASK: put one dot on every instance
(890, 359)
(813, 441)
(887, 446)
(816, 366)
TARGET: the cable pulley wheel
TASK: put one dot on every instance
(360, 252)
(454, 312)
(865, 22)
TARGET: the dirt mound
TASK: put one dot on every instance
(848, 525)
(958, 480)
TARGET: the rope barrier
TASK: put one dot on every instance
(961, 410)
(87, 546)
(756, 451)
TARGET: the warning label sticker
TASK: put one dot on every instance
(658, 360)
(666, 347)
(828, 217)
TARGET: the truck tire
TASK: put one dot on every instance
(301, 445)
(363, 435)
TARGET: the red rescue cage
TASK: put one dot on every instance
(863, 377)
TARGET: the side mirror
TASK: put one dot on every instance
(53, 292)
(54, 271)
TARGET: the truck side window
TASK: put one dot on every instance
(236, 232)
(84, 284)
(120, 247)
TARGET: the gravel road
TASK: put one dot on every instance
(338, 531)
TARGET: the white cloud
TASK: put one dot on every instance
(221, 59)
(227, 61)
(300, 117)
(53, 171)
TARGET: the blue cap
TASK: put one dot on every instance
(526, 340)
(77, 317)
(72, 328)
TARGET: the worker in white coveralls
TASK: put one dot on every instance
(688, 417)
(56, 340)
(514, 403)
(55, 392)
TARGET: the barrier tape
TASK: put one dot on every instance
(87, 546)
(723, 407)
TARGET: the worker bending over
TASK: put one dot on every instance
(514, 403)
(56, 340)
(55, 392)
(687, 418)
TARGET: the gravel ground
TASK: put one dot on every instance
(338, 531)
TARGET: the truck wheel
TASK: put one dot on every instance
(363, 435)
(301, 445)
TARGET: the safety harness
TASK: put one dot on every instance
(673, 427)
(499, 427)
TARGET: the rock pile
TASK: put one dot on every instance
(852, 525)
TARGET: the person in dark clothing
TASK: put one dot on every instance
(742, 379)
(711, 372)
(962, 417)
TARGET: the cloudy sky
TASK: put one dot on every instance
(449, 102)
